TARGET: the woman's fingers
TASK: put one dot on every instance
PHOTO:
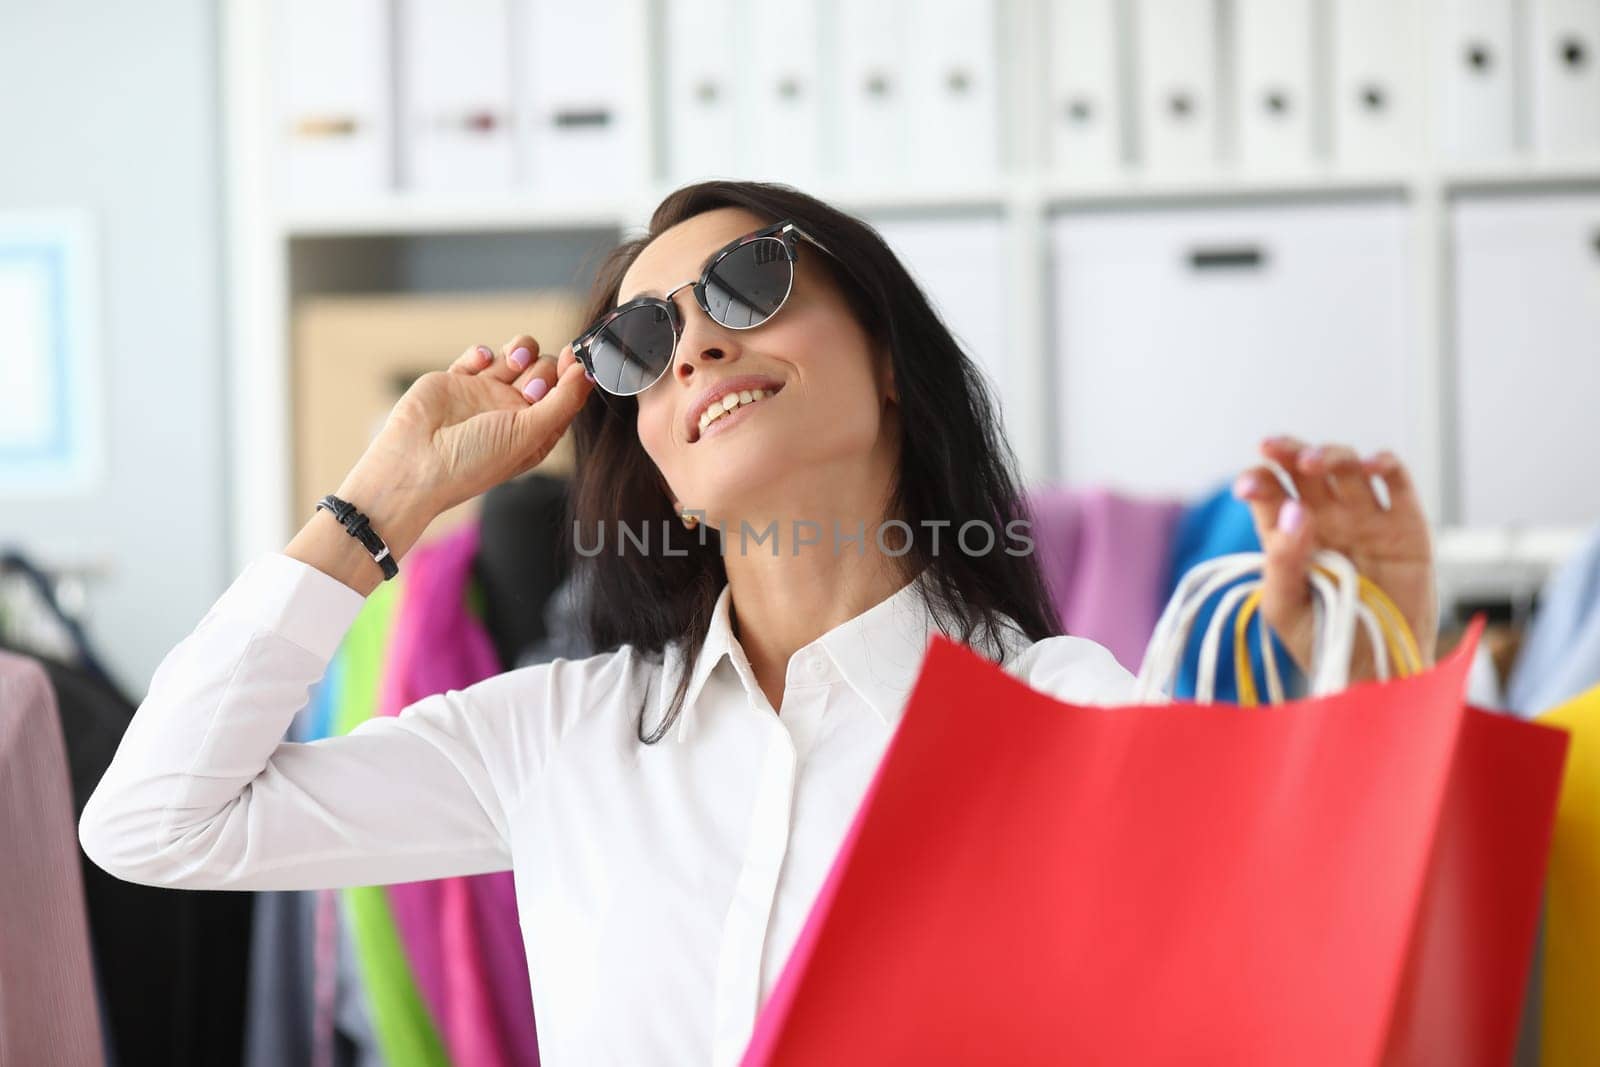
(516, 356)
(1261, 490)
(519, 364)
(1293, 455)
(1337, 502)
(1285, 526)
(1341, 468)
(543, 421)
(1285, 589)
(1396, 480)
(537, 380)
(473, 360)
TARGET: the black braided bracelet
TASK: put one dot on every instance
(359, 528)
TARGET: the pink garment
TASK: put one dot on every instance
(1105, 558)
(48, 1007)
(462, 935)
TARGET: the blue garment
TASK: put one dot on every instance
(1561, 656)
(1218, 525)
(320, 711)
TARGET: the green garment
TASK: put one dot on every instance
(400, 1020)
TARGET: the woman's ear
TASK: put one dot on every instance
(886, 377)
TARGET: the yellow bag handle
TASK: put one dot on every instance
(1397, 636)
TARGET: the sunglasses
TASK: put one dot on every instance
(743, 285)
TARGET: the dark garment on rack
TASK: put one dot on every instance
(281, 980)
(281, 1009)
(563, 625)
(171, 962)
(521, 559)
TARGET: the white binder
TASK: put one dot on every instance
(455, 91)
(954, 95)
(1478, 60)
(960, 263)
(1526, 318)
(1377, 82)
(334, 107)
(1176, 48)
(1184, 337)
(1273, 85)
(1565, 60)
(780, 82)
(702, 115)
(581, 86)
(1083, 111)
(869, 103)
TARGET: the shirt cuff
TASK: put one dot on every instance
(295, 600)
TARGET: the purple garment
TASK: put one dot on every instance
(1105, 557)
(439, 644)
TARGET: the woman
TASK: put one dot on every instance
(662, 880)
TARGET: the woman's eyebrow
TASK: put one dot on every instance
(701, 269)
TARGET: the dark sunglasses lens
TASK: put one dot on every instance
(633, 350)
(750, 283)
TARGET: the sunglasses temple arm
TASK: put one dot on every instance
(584, 359)
(810, 238)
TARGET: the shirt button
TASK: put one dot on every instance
(817, 666)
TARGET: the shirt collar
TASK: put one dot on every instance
(878, 652)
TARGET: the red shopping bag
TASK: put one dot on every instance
(1353, 879)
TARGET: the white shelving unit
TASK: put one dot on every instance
(263, 276)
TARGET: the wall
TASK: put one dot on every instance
(114, 108)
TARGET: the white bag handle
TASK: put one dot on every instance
(1336, 601)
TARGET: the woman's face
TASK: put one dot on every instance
(823, 439)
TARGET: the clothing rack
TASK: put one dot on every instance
(1500, 570)
(44, 604)
(70, 579)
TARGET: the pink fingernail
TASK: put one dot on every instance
(521, 358)
(484, 353)
(1244, 486)
(589, 374)
(536, 389)
(1291, 517)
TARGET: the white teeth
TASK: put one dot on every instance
(718, 408)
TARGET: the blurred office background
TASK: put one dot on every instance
(231, 234)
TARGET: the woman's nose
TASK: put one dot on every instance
(687, 363)
(702, 342)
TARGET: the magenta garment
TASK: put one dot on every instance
(462, 935)
(1105, 558)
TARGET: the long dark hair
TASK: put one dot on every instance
(955, 464)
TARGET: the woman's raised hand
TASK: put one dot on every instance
(459, 432)
(1337, 509)
(454, 434)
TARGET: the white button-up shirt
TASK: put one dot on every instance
(660, 887)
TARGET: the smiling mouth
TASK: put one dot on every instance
(716, 414)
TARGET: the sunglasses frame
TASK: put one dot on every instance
(787, 233)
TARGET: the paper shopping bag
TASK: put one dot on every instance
(1569, 1015)
(1351, 879)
